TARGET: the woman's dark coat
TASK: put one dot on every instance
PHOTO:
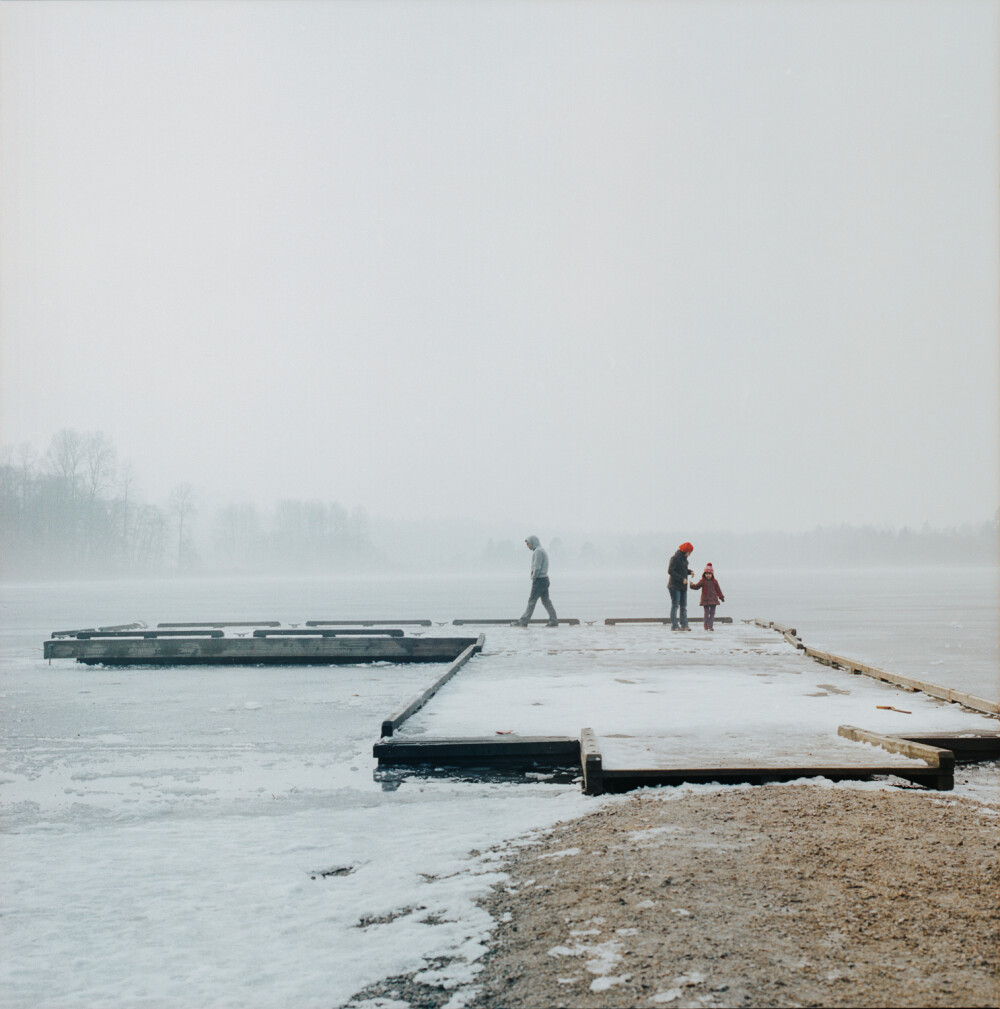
(678, 570)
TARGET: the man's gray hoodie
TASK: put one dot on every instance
(539, 558)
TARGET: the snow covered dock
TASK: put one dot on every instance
(632, 704)
(267, 643)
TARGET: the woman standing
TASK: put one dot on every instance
(678, 571)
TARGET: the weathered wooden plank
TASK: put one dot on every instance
(896, 744)
(964, 745)
(935, 756)
(225, 623)
(591, 763)
(508, 621)
(332, 632)
(82, 630)
(611, 621)
(395, 720)
(976, 703)
(257, 651)
(368, 623)
(910, 683)
(88, 635)
(626, 779)
(480, 751)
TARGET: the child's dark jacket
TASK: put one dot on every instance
(711, 591)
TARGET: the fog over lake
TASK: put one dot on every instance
(565, 269)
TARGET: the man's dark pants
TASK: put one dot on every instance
(539, 590)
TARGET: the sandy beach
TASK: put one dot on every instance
(793, 895)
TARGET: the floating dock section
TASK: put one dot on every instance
(268, 645)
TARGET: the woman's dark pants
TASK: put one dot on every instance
(678, 601)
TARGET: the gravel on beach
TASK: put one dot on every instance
(769, 896)
(783, 895)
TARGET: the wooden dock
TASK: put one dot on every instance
(604, 764)
(612, 763)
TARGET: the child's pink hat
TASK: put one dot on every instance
(708, 567)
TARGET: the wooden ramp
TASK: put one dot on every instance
(268, 648)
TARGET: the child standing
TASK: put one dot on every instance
(711, 595)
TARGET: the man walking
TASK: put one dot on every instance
(677, 586)
(539, 584)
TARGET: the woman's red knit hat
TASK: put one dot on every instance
(686, 547)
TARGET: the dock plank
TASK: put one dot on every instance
(396, 719)
(368, 623)
(499, 621)
(479, 751)
(611, 621)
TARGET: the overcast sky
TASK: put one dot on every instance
(649, 265)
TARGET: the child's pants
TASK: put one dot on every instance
(709, 618)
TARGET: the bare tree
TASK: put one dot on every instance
(149, 537)
(65, 458)
(100, 457)
(182, 508)
(126, 485)
(237, 535)
(27, 460)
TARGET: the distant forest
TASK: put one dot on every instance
(74, 512)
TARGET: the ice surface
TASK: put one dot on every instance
(215, 837)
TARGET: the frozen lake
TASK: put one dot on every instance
(216, 837)
(937, 624)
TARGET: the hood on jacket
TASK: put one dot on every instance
(534, 542)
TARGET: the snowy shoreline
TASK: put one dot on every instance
(216, 837)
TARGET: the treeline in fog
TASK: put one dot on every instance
(473, 546)
(75, 510)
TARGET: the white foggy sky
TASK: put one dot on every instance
(627, 265)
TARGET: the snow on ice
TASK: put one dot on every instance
(211, 837)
